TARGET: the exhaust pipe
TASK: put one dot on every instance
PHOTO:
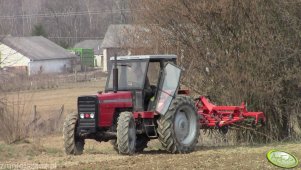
(115, 75)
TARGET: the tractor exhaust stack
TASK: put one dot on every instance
(115, 75)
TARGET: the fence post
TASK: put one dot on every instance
(75, 75)
(62, 111)
(60, 116)
(34, 118)
(33, 123)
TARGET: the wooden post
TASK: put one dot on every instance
(59, 121)
(35, 118)
(75, 75)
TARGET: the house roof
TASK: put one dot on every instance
(124, 36)
(37, 48)
(143, 57)
(92, 44)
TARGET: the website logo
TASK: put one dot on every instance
(282, 159)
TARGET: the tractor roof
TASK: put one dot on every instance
(143, 57)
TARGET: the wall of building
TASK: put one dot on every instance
(49, 66)
(11, 58)
(99, 61)
(105, 62)
(110, 52)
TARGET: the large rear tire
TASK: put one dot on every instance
(126, 133)
(73, 144)
(179, 128)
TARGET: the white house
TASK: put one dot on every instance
(36, 54)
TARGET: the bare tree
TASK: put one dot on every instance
(65, 21)
(236, 50)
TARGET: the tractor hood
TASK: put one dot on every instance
(119, 97)
(109, 103)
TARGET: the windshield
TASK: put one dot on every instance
(131, 75)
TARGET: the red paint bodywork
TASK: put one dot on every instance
(144, 115)
(212, 115)
(109, 102)
(219, 116)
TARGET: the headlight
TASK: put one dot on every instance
(92, 115)
(82, 116)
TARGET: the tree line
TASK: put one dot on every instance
(236, 50)
(64, 21)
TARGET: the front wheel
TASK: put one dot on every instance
(141, 143)
(179, 129)
(126, 133)
(74, 145)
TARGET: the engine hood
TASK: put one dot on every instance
(111, 97)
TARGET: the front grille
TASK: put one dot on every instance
(87, 104)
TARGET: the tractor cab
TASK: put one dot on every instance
(141, 75)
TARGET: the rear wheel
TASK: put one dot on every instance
(74, 145)
(126, 133)
(178, 129)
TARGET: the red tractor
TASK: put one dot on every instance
(142, 101)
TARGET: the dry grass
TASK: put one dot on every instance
(46, 100)
(11, 82)
(39, 112)
(35, 113)
(14, 121)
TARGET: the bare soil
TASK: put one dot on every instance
(49, 150)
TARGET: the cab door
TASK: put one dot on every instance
(168, 87)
